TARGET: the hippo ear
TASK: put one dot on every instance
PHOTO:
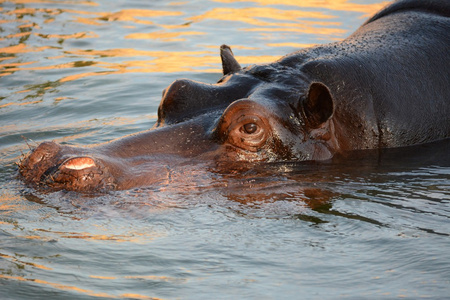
(318, 106)
(229, 63)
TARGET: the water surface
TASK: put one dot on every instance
(370, 226)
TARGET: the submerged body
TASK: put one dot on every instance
(387, 85)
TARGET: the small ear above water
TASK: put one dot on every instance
(319, 105)
(229, 63)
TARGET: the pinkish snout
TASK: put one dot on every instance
(59, 167)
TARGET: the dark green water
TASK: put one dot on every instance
(84, 72)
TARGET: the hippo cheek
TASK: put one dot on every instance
(79, 174)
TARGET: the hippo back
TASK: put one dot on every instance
(390, 79)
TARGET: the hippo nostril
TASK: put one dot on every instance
(48, 173)
(44, 152)
(79, 163)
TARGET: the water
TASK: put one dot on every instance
(83, 72)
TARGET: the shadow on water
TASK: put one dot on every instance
(390, 177)
(307, 191)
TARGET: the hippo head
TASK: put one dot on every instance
(261, 113)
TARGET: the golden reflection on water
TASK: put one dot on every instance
(65, 287)
(133, 15)
(20, 266)
(23, 263)
(19, 104)
(339, 5)
(127, 15)
(22, 48)
(132, 237)
(10, 203)
(263, 19)
(288, 20)
(164, 36)
(86, 3)
(162, 62)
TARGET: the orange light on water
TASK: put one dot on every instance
(274, 25)
(340, 5)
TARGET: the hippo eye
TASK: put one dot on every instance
(250, 128)
(245, 125)
(248, 132)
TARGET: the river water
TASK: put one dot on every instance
(374, 225)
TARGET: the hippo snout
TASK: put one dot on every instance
(41, 159)
(49, 166)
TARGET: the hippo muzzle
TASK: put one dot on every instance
(62, 167)
(143, 159)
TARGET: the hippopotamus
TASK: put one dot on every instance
(386, 85)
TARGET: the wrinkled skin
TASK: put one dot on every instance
(387, 85)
